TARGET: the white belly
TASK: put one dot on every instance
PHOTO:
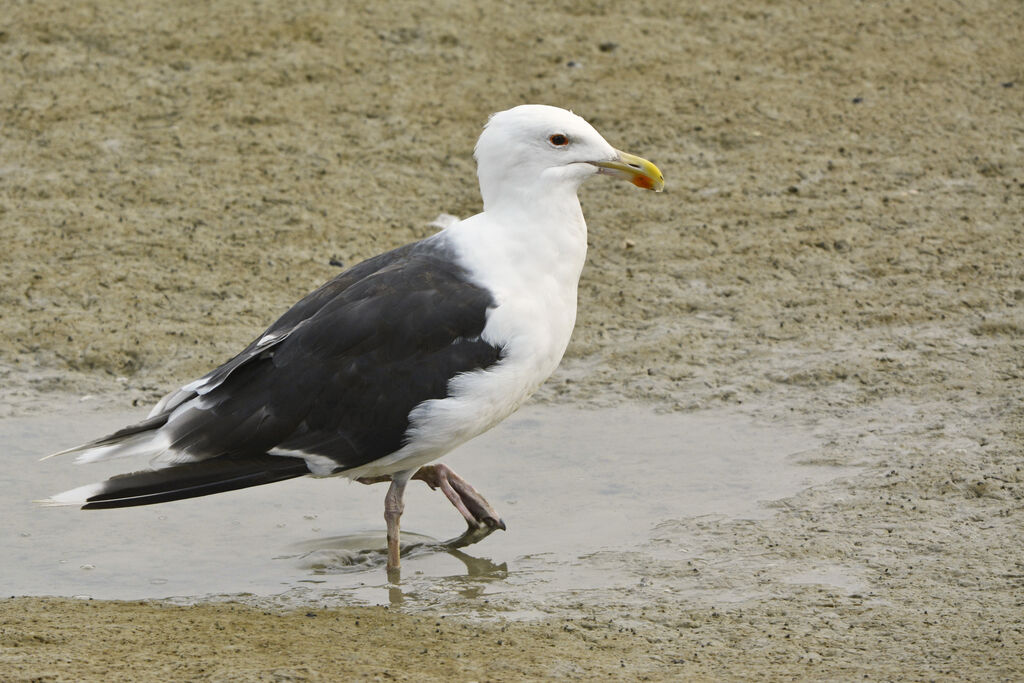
(480, 399)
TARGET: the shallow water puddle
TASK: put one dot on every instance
(581, 492)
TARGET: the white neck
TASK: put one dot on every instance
(526, 238)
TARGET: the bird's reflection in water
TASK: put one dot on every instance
(366, 552)
(471, 586)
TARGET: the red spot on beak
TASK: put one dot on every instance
(642, 181)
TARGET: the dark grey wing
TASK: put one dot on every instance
(350, 363)
(283, 326)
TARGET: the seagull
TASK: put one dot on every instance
(399, 359)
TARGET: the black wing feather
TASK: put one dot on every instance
(191, 480)
(361, 352)
(302, 311)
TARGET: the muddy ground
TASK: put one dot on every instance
(840, 247)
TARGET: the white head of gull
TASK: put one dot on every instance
(399, 359)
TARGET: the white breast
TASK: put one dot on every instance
(533, 275)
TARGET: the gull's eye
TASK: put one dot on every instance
(559, 140)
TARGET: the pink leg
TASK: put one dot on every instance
(394, 505)
(470, 504)
(478, 513)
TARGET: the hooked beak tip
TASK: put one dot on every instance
(636, 170)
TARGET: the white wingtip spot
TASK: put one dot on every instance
(60, 453)
(146, 445)
(78, 496)
(95, 454)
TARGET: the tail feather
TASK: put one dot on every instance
(189, 480)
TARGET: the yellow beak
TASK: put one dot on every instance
(636, 170)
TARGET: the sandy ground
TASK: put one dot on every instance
(840, 247)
